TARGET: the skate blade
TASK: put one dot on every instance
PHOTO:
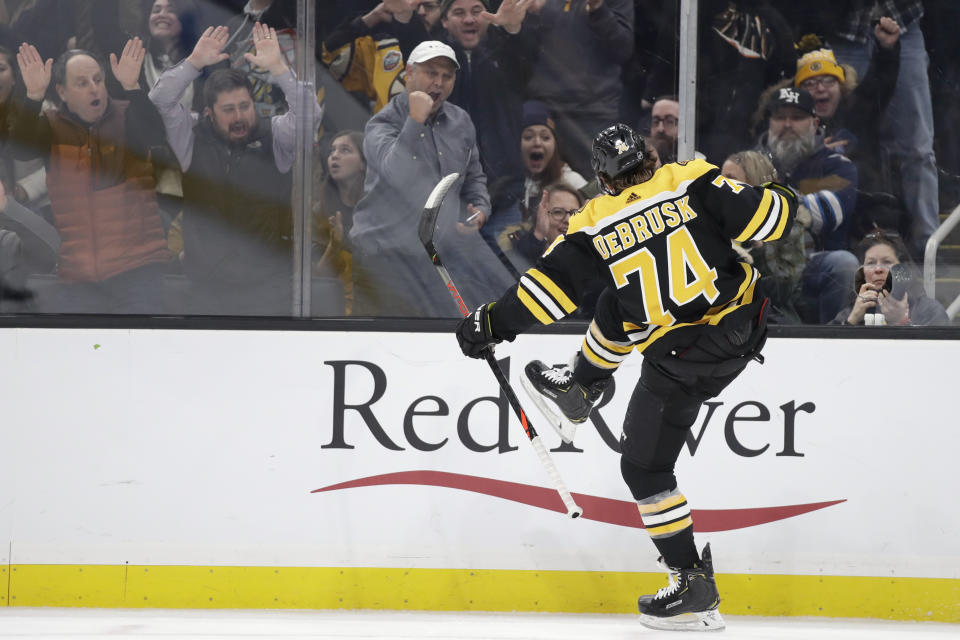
(704, 621)
(564, 428)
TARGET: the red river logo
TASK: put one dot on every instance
(619, 512)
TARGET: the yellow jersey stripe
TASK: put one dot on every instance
(553, 290)
(714, 319)
(758, 217)
(616, 347)
(784, 216)
(748, 273)
(533, 306)
(596, 360)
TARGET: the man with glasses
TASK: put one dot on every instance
(664, 128)
(664, 120)
(524, 244)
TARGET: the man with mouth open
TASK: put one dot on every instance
(237, 218)
(410, 144)
(113, 251)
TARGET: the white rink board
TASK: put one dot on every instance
(203, 447)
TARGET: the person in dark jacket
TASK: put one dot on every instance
(365, 53)
(851, 112)
(237, 220)
(827, 183)
(578, 72)
(496, 54)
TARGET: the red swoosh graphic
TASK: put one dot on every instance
(619, 512)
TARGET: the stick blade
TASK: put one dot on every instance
(428, 220)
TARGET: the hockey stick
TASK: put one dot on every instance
(428, 222)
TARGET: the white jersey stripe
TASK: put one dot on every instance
(776, 209)
(604, 353)
(548, 304)
(834, 203)
(652, 520)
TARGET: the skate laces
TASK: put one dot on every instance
(670, 589)
(559, 374)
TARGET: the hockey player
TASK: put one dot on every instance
(676, 292)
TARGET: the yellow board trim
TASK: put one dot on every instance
(888, 598)
(553, 289)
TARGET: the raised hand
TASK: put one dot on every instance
(377, 15)
(887, 32)
(127, 69)
(593, 5)
(209, 48)
(34, 71)
(402, 10)
(509, 15)
(420, 106)
(268, 55)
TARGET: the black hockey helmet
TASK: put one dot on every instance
(616, 150)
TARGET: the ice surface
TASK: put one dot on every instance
(113, 624)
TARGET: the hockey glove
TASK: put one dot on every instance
(475, 334)
(788, 192)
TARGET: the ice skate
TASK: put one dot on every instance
(689, 603)
(564, 402)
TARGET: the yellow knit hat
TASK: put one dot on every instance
(821, 62)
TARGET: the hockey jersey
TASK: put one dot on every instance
(662, 246)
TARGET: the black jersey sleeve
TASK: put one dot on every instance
(549, 291)
(746, 213)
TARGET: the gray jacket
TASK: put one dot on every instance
(405, 161)
(179, 121)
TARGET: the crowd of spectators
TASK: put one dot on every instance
(147, 146)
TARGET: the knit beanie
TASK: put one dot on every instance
(818, 63)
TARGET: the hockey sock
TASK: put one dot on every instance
(599, 356)
(666, 516)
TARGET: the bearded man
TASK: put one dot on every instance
(237, 215)
(827, 183)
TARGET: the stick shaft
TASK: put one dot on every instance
(573, 510)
